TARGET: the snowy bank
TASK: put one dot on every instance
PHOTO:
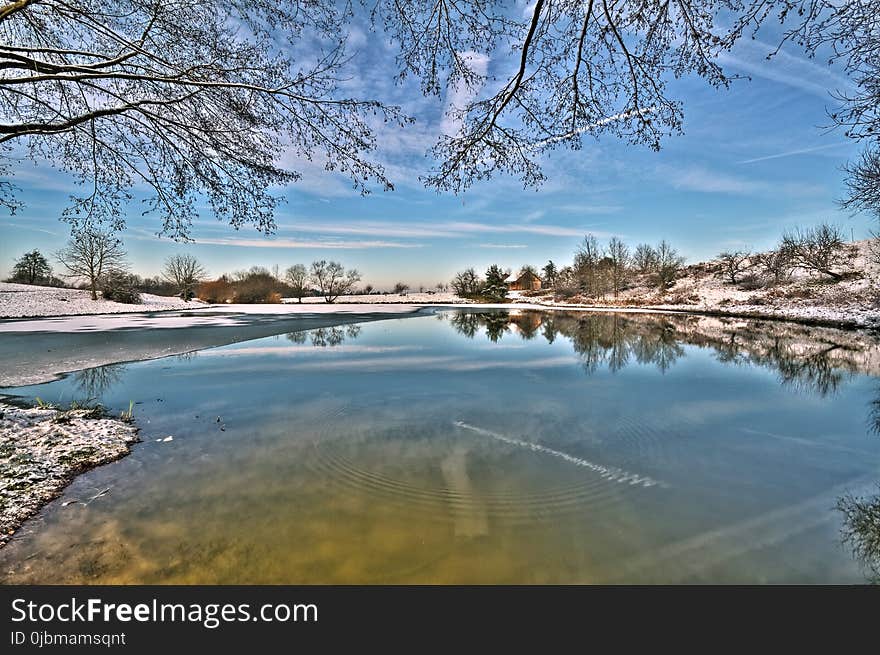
(25, 300)
(42, 449)
(851, 302)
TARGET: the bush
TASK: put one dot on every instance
(119, 287)
(257, 286)
(751, 282)
(218, 291)
(684, 297)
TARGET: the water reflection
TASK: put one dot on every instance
(93, 383)
(819, 364)
(523, 446)
(326, 336)
(861, 531)
(809, 359)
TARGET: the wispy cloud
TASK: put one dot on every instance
(502, 246)
(313, 244)
(790, 153)
(421, 229)
(799, 72)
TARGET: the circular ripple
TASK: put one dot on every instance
(591, 491)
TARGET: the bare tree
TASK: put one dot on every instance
(819, 250)
(618, 253)
(669, 263)
(846, 33)
(192, 99)
(733, 263)
(297, 278)
(92, 254)
(401, 288)
(599, 67)
(588, 267)
(776, 264)
(645, 258)
(577, 68)
(200, 97)
(333, 280)
(467, 283)
(863, 181)
(185, 272)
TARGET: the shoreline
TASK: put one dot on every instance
(43, 449)
(850, 323)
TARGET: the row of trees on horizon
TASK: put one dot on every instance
(595, 271)
(99, 262)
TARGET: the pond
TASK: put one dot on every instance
(475, 447)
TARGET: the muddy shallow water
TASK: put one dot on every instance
(501, 447)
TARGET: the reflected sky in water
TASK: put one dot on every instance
(494, 447)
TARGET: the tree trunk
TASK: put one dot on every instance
(94, 290)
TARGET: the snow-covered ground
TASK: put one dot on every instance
(42, 449)
(25, 300)
(851, 302)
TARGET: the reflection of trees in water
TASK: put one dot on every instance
(94, 382)
(801, 359)
(819, 368)
(874, 413)
(298, 337)
(811, 360)
(496, 326)
(861, 514)
(861, 530)
(466, 323)
(326, 336)
(599, 340)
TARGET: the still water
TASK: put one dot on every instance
(499, 447)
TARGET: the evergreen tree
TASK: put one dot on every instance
(496, 287)
(550, 273)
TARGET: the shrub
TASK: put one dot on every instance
(751, 282)
(118, 286)
(256, 286)
(218, 291)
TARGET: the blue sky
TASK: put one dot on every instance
(754, 160)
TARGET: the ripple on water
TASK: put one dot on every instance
(451, 492)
